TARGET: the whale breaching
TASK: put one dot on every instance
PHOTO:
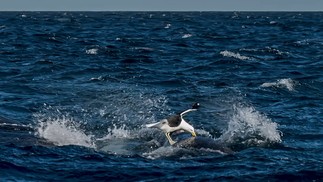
(175, 123)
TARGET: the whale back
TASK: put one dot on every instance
(203, 142)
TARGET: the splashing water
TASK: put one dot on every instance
(117, 132)
(63, 131)
(118, 141)
(110, 127)
(66, 131)
(131, 108)
(250, 127)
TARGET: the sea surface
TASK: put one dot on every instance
(78, 88)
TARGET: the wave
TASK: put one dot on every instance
(287, 83)
(93, 51)
(168, 25)
(234, 55)
(185, 36)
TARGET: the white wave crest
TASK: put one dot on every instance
(282, 83)
(272, 22)
(185, 36)
(63, 131)
(249, 126)
(93, 51)
(168, 26)
(234, 55)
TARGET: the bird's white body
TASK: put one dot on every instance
(167, 129)
(163, 125)
(166, 125)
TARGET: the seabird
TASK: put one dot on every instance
(175, 123)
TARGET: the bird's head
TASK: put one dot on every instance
(189, 128)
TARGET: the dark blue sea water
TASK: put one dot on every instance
(77, 88)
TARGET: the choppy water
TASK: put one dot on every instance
(76, 90)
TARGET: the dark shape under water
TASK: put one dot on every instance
(203, 142)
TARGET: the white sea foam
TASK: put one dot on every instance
(249, 126)
(281, 83)
(234, 55)
(168, 25)
(185, 36)
(100, 78)
(93, 51)
(62, 131)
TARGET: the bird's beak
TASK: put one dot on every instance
(193, 134)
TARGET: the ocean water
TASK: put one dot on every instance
(77, 88)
